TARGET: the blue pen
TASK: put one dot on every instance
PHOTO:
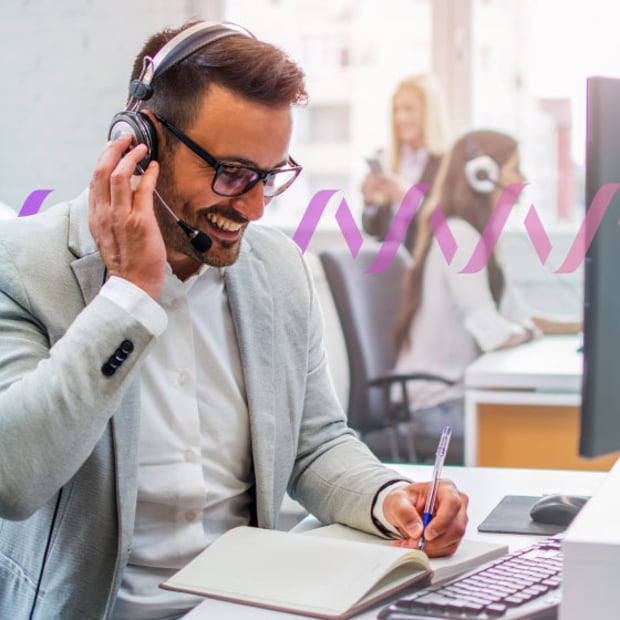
(440, 457)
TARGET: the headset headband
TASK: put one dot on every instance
(132, 121)
(178, 49)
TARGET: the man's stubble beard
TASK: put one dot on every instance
(175, 238)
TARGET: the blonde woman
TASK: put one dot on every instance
(420, 136)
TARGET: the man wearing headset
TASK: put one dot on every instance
(162, 370)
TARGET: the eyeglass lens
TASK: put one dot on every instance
(235, 180)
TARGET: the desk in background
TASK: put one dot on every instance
(522, 407)
(485, 487)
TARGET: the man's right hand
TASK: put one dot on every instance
(121, 217)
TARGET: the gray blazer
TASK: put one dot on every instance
(65, 424)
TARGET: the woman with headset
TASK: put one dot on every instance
(420, 137)
(449, 318)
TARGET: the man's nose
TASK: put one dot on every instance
(252, 203)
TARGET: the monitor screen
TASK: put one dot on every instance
(600, 408)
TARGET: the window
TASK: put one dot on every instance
(514, 65)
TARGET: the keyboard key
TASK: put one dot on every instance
(496, 609)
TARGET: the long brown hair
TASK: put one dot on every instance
(456, 198)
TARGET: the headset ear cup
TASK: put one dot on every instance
(142, 130)
(482, 174)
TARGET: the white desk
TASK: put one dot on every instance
(522, 407)
(485, 487)
(551, 365)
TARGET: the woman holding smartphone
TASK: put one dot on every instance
(420, 136)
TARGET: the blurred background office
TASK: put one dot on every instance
(515, 65)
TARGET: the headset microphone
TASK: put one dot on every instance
(198, 239)
(483, 177)
(201, 241)
(504, 188)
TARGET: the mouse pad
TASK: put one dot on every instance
(512, 516)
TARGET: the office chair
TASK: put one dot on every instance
(367, 305)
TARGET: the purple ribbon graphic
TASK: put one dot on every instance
(493, 229)
(440, 228)
(398, 228)
(344, 217)
(406, 212)
(588, 228)
(33, 203)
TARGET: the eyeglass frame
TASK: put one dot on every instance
(218, 165)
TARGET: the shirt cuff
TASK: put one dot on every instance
(378, 518)
(137, 303)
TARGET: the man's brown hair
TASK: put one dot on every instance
(253, 69)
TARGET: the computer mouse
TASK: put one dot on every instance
(557, 509)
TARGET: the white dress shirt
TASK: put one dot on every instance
(195, 470)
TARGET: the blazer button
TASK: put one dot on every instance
(108, 370)
(126, 347)
(119, 356)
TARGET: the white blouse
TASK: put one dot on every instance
(457, 320)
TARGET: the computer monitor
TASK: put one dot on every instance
(600, 408)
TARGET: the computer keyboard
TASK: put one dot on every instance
(523, 584)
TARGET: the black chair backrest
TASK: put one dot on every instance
(367, 305)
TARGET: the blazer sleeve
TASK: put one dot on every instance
(335, 475)
(56, 397)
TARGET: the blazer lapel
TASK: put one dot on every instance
(88, 267)
(251, 304)
(89, 272)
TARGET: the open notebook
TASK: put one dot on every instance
(329, 572)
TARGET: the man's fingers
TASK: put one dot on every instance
(403, 513)
(107, 162)
(450, 502)
(112, 195)
(446, 530)
(147, 182)
(121, 190)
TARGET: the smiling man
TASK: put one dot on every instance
(162, 370)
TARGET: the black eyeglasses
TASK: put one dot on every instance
(235, 179)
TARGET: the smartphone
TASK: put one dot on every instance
(374, 163)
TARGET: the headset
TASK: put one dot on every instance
(131, 120)
(482, 174)
(481, 170)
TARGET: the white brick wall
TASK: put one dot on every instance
(65, 67)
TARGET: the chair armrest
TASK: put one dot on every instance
(390, 378)
(399, 410)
